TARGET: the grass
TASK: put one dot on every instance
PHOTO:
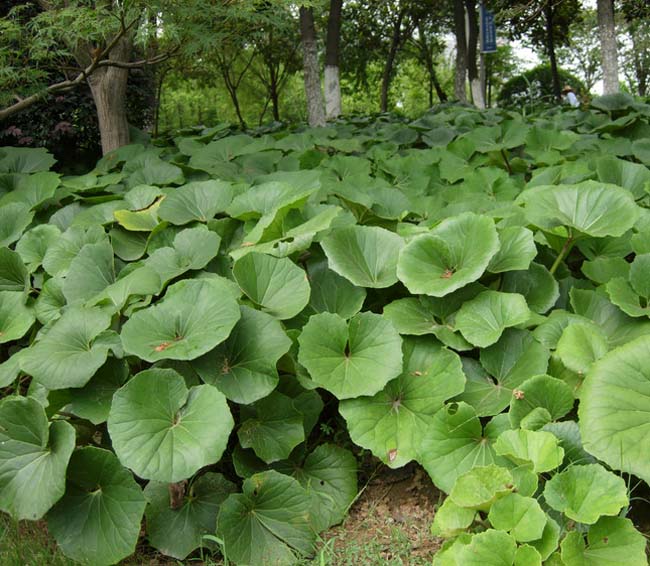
(387, 526)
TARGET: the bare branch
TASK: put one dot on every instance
(139, 64)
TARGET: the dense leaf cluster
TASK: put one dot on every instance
(468, 290)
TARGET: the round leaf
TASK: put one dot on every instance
(278, 285)
(15, 317)
(537, 285)
(69, 354)
(243, 367)
(268, 523)
(350, 358)
(365, 255)
(615, 409)
(164, 432)
(489, 548)
(592, 208)
(483, 319)
(177, 531)
(200, 200)
(193, 318)
(33, 458)
(540, 448)
(585, 493)
(453, 254)
(541, 391)
(521, 516)
(98, 519)
(516, 252)
(481, 487)
(392, 422)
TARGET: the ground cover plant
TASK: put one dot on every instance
(188, 330)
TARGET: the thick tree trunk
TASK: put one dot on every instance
(108, 87)
(315, 107)
(608, 51)
(550, 48)
(472, 48)
(390, 60)
(332, 44)
(461, 51)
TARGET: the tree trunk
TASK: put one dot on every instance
(550, 48)
(332, 44)
(472, 48)
(315, 107)
(608, 53)
(426, 52)
(108, 87)
(390, 60)
(461, 51)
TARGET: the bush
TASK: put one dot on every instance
(535, 87)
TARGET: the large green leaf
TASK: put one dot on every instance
(453, 254)
(268, 523)
(332, 293)
(329, 475)
(540, 392)
(521, 516)
(179, 529)
(591, 208)
(98, 520)
(60, 254)
(482, 320)
(13, 273)
(580, 345)
(536, 284)
(612, 540)
(365, 255)
(164, 432)
(272, 427)
(89, 273)
(34, 244)
(540, 448)
(33, 190)
(351, 358)
(25, 159)
(33, 458)
(516, 252)
(505, 365)
(16, 318)
(70, 353)
(194, 316)
(392, 423)
(243, 367)
(196, 201)
(489, 548)
(14, 218)
(481, 487)
(277, 285)
(585, 493)
(615, 409)
(454, 444)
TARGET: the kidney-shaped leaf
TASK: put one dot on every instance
(98, 519)
(540, 448)
(33, 458)
(164, 432)
(16, 318)
(351, 358)
(453, 254)
(194, 316)
(521, 516)
(365, 255)
(592, 208)
(482, 320)
(481, 487)
(178, 529)
(268, 523)
(276, 284)
(586, 493)
(615, 408)
(243, 367)
(69, 354)
(392, 422)
(200, 200)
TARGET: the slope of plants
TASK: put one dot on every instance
(182, 328)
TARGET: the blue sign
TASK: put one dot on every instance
(488, 31)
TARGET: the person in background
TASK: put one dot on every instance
(570, 96)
